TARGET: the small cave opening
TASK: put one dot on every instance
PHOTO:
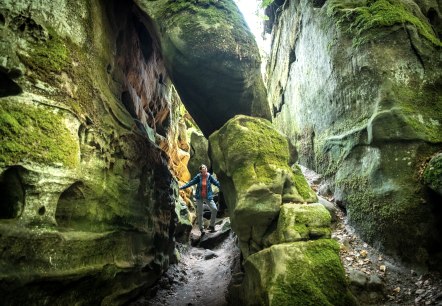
(42, 211)
(163, 126)
(12, 193)
(2, 20)
(435, 21)
(71, 207)
(318, 3)
(8, 87)
(129, 103)
(146, 41)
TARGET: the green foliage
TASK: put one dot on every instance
(374, 14)
(34, 134)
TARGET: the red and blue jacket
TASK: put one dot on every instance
(197, 180)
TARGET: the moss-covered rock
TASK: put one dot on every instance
(300, 222)
(36, 133)
(300, 273)
(251, 159)
(386, 196)
(433, 173)
(366, 17)
(87, 196)
(212, 58)
(366, 111)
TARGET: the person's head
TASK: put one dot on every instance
(203, 168)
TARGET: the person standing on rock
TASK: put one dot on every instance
(204, 193)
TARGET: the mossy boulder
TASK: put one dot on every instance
(299, 273)
(251, 159)
(433, 173)
(301, 222)
(212, 59)
(366, 111)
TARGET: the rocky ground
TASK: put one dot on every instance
(203, 273)
(375, 278)
(205, 270)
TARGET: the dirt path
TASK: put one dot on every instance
(200, 278)
(203, 274)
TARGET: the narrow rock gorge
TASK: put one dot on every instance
(357, 87)
(107, 106)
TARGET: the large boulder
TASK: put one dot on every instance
(300, 222)
(300, 273)
(251, 159)
(357, 86)
(212, 58)
(284, 236)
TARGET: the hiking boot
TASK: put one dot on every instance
(212, 229)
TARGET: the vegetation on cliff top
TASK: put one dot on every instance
(364, 16)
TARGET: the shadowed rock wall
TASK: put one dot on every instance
(212, 58)
(87, 198)
(357, 87)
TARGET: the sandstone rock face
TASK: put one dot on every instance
(212, 59)
(284, 236)
(87, 198)
(199, 151)
(302, 273)
(251, 159)
(357, 87)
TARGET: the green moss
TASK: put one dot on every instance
(217, 27)
(47, 57)
(303, 222)
(422, 110)
(34, 134)
(301, 184)
(255, 150)
(314, 276)
(365, 16)
(388, 200)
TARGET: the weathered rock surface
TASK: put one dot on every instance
(199, 151)
(300, 273)
(87, 198)
(433, 173)
(212, 59)
(284, 236)
(357, 86)
(251, 159)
